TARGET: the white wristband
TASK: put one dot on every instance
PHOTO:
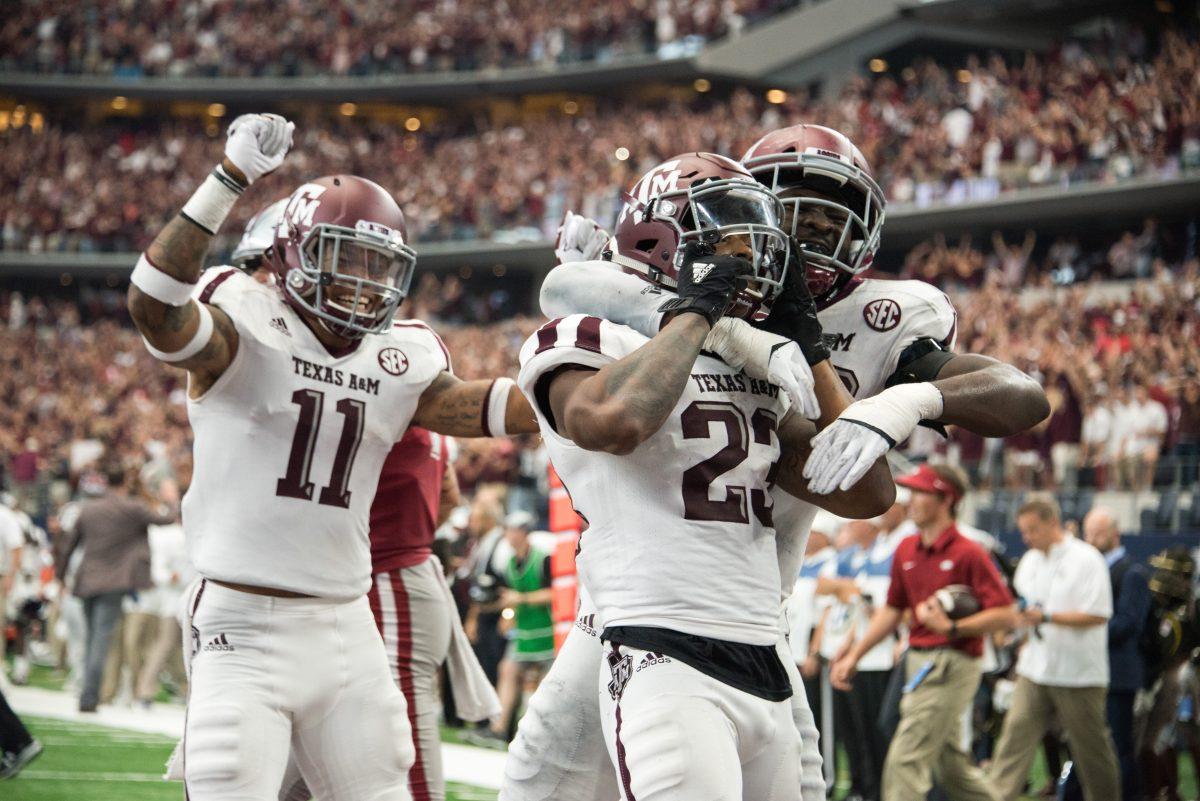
(211, 203)
(194, 346)
(158, 285)
(496, 407)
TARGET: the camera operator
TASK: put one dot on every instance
(1062, 671)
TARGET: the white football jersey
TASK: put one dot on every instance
(290, 441)
(870, 325)
(680, 532)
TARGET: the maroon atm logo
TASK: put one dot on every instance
(882, 314)
(393, 360)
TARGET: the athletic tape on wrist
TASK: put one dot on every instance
(158, 285)
(195, 345)
(211, 203)
(496, 407)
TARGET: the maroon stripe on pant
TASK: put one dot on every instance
(418, 780)
(622, 765)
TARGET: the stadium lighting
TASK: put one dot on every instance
(776, 96)
(622, 153)
(499, 270)
(964, 76)
(348, 109)
(701, 85)
(570, 107)
(120, 103)
(216, 110)
(877, 65)
(412, 124)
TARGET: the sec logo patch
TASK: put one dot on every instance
(882, 314)
(393, 360)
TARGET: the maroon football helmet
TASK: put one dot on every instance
(341, 254)
(705, 197)
(819, 159)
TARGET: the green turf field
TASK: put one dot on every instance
(93, 763)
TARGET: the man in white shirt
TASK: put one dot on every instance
(1149, 424)
(1062, 672)
(12, 540)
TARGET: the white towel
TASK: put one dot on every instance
(474, 697)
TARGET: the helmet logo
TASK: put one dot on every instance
(393, 361)
(665, 178)
(303, 204)
(882, 314)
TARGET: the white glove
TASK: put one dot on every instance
(257, 143)
(579, 239)
(867, 429)
(767, 357)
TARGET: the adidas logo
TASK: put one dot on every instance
(700, 271)
(280, 324)
(587, 624)
(218, 643)
(651, 659)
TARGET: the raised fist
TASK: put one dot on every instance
(579, 239)
(257, 144)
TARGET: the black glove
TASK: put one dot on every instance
(707, 282)
(794, 315)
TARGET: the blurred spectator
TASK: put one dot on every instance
(525, 600)
(1187, 446)
(304, 37)
(108, 185)
(484, 569)
(1145, 442)
(12, 542)
(942, 666)
(17, 746)
(1126, 665)
(111, 530)
(1062, 671)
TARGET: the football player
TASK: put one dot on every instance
(296, 394)
(409, 598)
(670, 454)
(882, 334)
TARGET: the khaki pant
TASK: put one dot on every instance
(131, 644)
(1080, 712)
(165, 653)
(929, 741)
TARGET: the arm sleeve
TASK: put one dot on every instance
(1129, 615)
(926, 314)
(601, 289)
(575, 341)
(986, 582)
(897, 594)
(1093, 593)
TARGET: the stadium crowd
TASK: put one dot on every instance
(177, 39)
(1107, 110)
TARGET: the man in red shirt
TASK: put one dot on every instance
(942, 667)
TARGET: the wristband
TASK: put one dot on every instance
(211, 203)
(495, 407)
(195, 345)
(158, 285)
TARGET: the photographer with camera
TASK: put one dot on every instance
(956, 596)
(1062, 671)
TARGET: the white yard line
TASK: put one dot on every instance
(466, 764)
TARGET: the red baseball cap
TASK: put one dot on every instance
(926, 479)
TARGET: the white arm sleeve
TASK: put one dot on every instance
(601, 289)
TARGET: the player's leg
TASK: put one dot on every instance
(812, 780)
(559, 749)
(666, 729)
(353, 742)
(237, 729)
(421, 608)
(775, 771)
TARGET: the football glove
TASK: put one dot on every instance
(579, 239)
(257, 143)
(707, 282)
(794, 315)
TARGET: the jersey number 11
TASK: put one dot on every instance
(295, 483)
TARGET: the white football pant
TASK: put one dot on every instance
(276, 675)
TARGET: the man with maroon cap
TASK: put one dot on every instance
(942, 666)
